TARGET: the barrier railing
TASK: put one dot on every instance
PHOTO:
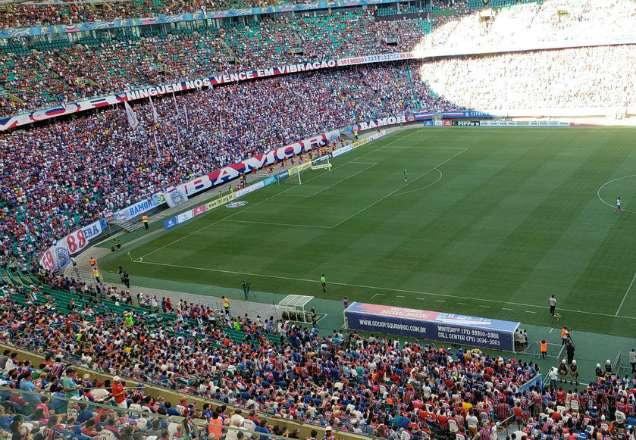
(56, 415)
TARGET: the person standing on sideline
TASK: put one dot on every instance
(96, 275)
(75, 268)
(632, 360)
(323, 283)
(543, 347)
(564, 335)
(569, 349)
(145, 219)
(552, 302)
(125, 279)
(345, 302)
(226, 305)
(246, 289)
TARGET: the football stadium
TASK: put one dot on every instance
(347, 219)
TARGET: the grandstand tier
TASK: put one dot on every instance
(81, 159)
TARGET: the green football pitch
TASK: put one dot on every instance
(489, 222)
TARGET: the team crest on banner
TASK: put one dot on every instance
(62, 257)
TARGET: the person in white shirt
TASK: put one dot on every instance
(237, 419)
(472, 422)
(552, 302)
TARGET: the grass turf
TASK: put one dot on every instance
(490, 222)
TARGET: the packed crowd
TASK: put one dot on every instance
(25, 14)
(38, 75)
(532, 25)
(349, 383)
(52, 401)
(358, 384)
(37, 78)
(593, 77)
(57, 176)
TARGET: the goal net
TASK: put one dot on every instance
(295, 174)
(322, 163)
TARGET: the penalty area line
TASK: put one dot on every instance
(385, 289)
(620, 306)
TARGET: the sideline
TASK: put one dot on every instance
(380, 288)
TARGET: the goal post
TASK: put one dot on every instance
(322, 163)
(294, 174)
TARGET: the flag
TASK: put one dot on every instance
(131, 116)
(174, 99)
(154, 134)
(155, 115)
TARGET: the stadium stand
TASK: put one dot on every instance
(533, 24)
(16, 15)
(63, 175)
(358, 384)
(55, 412)
(530, 86)
(38, 74)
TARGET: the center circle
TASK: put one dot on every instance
(622, 187)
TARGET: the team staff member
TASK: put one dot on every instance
(96, 275)
(145, 219)
(565, 334)
(552, 302)
(543, 346)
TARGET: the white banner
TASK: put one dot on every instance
(58, 256)
(175, 196)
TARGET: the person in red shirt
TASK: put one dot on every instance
(560, 397)
(503, 411)
(119, 393)
(518, 413)
(442, 421)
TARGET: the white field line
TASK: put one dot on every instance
(386, 196)
(620, 306)
(385, 289)
(380, 144)
(441, 175)
(605, 202)
(350, 176)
